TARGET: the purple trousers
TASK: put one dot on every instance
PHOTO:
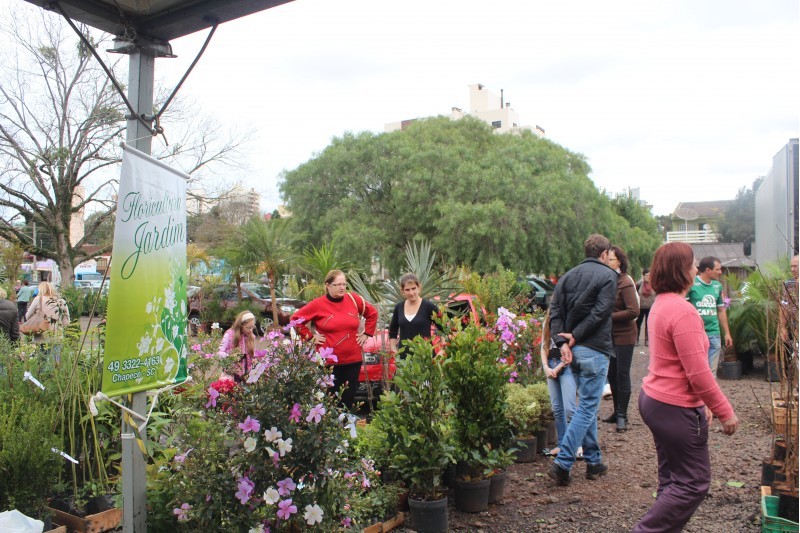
(684, 467)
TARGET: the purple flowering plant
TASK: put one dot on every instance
(274, 455)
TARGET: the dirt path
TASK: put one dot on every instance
(615, 502)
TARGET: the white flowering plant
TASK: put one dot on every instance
(270, 453)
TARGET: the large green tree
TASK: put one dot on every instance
(481, 199)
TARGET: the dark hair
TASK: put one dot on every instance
(707, 263)
(409, 278)
(26, 282)
(622, 257)
(672, 267)
(645, 271)
(595, 245)
(332, 275)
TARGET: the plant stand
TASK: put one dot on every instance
(96, 523)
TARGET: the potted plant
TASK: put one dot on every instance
(525, 415)
(414, 422)
(476, 378)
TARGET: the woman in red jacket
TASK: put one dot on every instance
(333, 320)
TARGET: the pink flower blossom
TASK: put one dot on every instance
(347, 522)
(296, 413)
(316, 413)
(213, 394)
(286, 509)
(196, 347)
(182, 512)
(286, 486)
(327, 354)
(245, 489)
(250, 424)
(276, 460)
(181, 457)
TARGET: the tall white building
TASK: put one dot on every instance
(486, 106)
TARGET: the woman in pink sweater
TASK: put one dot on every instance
(679, 394)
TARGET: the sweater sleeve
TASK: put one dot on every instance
(692, 347)
(631, 311)
(33, 307)
(305, 315)
(226, 345)
(394, 325)
(371, 316)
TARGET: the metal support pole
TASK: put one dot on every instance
(134, 476)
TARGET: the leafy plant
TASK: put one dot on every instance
(414, 422)
(496, 290)
(524, 410)
(476, 378)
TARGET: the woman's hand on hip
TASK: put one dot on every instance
(319, 338)
(362, 339)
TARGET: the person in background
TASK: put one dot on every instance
(412, 317)
(560, 384)
(52, 308)
(646, 298)
(241, 336)
(24, 296)
(9, 319)
(706, 295)
(580, 325)
(623, 329)
(679, 395)
(333, 321)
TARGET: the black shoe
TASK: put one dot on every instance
(622, 424)
(611, 419)
(559, 475)
(595, 471)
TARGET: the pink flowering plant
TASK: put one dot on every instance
(271, 452)
(520, 337)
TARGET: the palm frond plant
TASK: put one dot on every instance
(316, 263)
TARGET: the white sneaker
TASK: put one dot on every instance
(607, 392)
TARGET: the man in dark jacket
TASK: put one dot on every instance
(9, 318)
(580, 325)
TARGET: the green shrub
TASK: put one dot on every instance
(524, 409)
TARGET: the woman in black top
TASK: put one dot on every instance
(411, 317)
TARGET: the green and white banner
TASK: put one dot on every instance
(145, 344)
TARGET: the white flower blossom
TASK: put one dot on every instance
(313, 514)
(249, 444)
(272, 434)
(258, 529)
(271, 496)
(215, 325)
(284, 446)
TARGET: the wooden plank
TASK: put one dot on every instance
(95, 523)
(397, 521)
(57, 529)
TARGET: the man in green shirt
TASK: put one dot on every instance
(24, 296)
(706, 296)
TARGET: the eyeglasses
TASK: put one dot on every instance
(340, 285)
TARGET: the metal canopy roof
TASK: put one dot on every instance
(157, 20)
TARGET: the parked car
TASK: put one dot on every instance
(254, 295)
(372, 373)
(541, 292)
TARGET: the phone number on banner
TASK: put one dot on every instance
(133, 368)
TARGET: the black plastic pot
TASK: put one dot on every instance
(768, 473)
(497, 486)
(429, 517)
(98, 504)
(541, 439)
(526, 450)
(730, 370)
(472, 496)
(552, 433)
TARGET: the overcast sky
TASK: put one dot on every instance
(686, 100)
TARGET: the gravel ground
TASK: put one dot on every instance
(615, 502)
